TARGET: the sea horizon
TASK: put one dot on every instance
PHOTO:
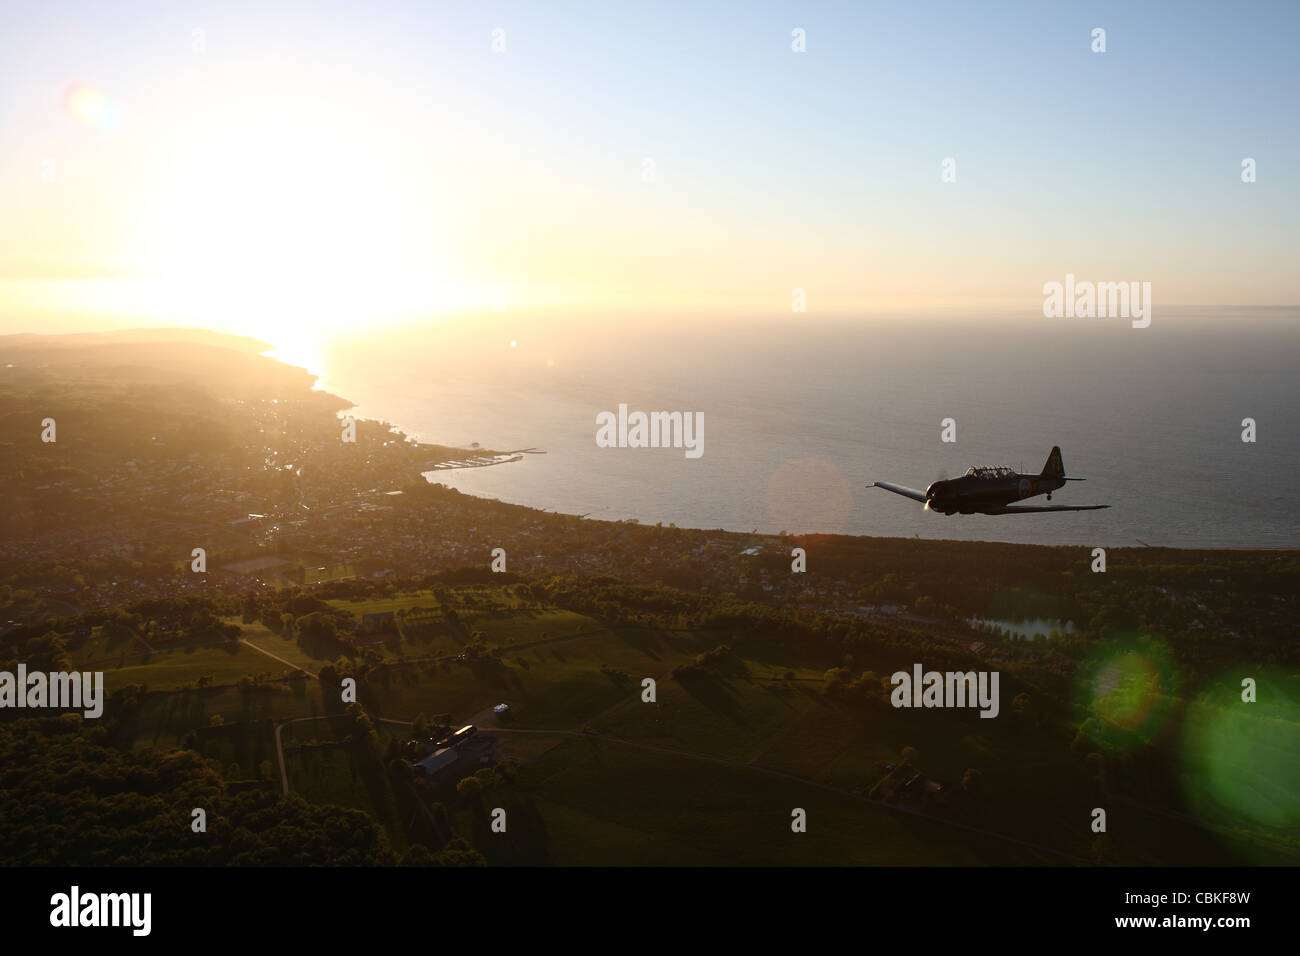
(1138, 413)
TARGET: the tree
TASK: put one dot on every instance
(417, 855)
(458, 852)
(329, 676)
(834, 679)
(470, 787)
(910, 755)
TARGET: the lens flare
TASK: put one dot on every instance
(91, 106)
(1127, 689)
(1241, 758)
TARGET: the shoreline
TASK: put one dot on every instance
(489, 458)
(483, 460)
(801, 535)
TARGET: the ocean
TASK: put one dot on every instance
(800, 417)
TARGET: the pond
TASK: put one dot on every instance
(1026, 628)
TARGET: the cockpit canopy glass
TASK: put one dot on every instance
(989, 471)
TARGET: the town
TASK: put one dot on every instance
(227, 561)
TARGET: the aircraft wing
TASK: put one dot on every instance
(900, 490)
(1029, 509)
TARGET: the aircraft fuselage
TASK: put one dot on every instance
(972, 494)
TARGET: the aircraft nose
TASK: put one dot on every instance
(931, 496)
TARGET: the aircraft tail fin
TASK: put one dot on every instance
(1054, 468)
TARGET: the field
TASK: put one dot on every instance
(598, 803)
(708, 772)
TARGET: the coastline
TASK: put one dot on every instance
(484, 459)
(731, 497)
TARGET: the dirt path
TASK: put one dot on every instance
(279, 748)
(289, 664)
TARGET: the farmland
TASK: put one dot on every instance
(708, 771)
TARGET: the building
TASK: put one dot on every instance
(462, 735)
(436, 761)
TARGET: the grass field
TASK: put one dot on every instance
(100, 650)
(330, 770)
(327, 774)
(582, 801)
(169, 669)
(165, 717)
(248, 745)
(528, 625)
(594, 803)
(401, 602)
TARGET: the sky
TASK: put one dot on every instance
(280, 169)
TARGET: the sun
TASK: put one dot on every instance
(292, 227)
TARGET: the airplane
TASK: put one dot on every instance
(990, 491)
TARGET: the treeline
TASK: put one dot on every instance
(71, 798)
(73, 794)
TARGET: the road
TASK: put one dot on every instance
(279, 749)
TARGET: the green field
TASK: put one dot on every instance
(327, 774)
(167, 716)
(323, 767)
(400, 602)
(248, 745)
(174, 668)
(595, 802)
